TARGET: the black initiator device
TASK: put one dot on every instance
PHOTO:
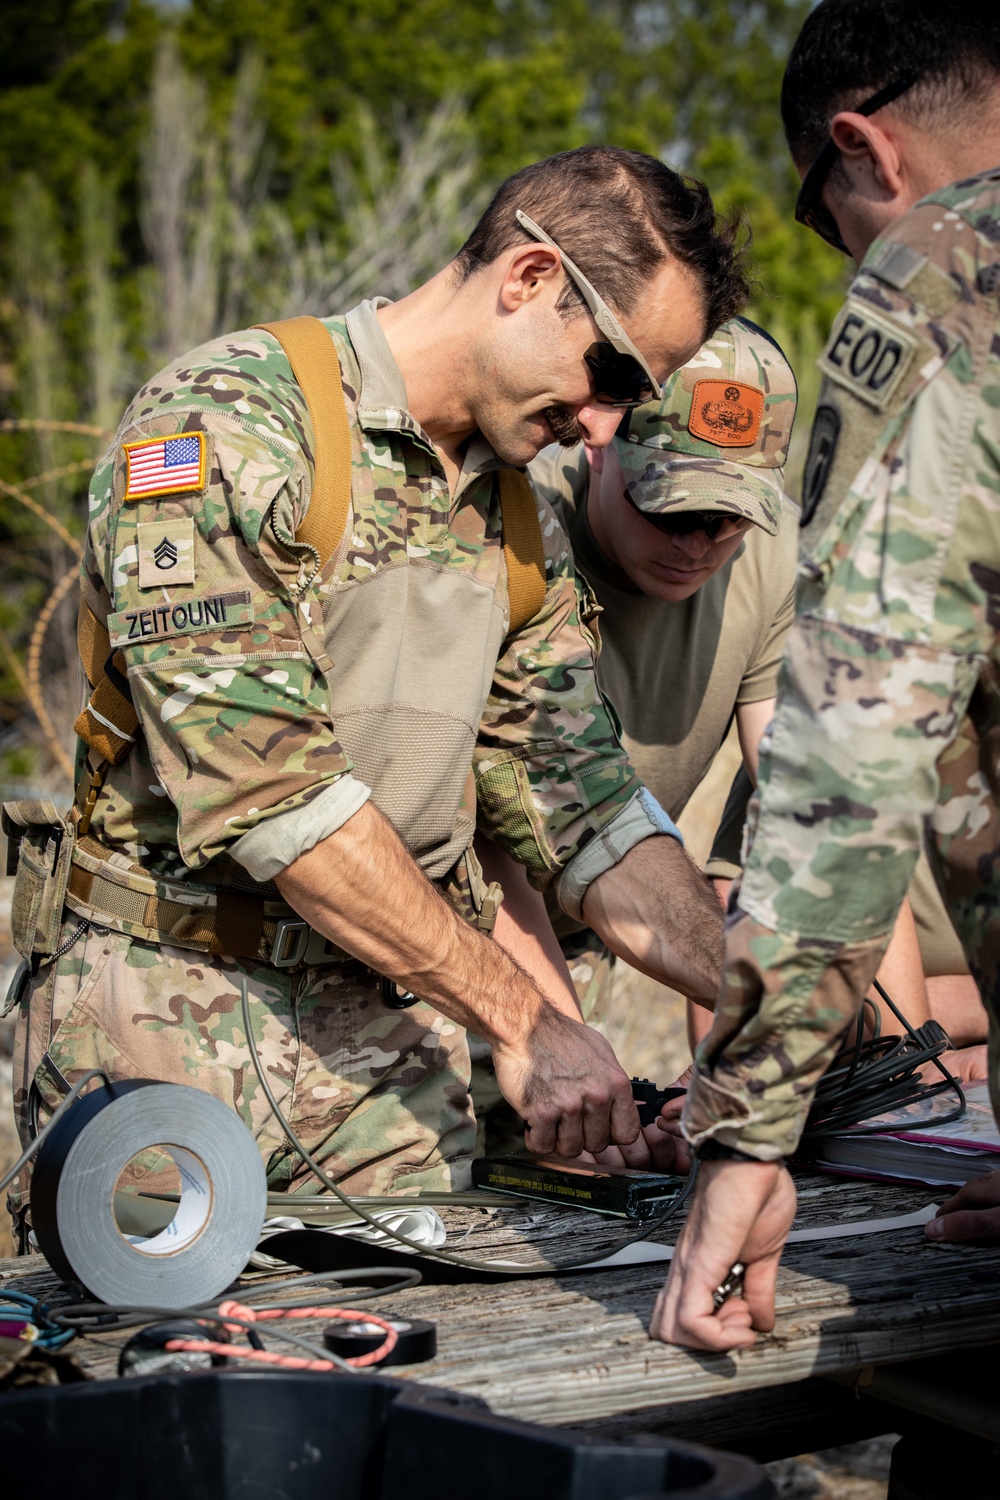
(624, 1191)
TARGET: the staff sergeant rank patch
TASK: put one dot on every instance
(166, 552)
(165, 466)
(868, 354)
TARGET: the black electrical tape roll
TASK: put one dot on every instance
(416, 1340)
(146, 1352)
(221, 1207)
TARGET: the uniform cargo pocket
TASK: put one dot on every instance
(45, 853)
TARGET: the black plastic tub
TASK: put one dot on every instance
(244, 1435)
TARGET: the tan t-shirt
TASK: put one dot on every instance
(675, 672)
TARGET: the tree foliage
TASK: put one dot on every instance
(171, 169)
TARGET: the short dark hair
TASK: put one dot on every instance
(618, 215)
(849, 49)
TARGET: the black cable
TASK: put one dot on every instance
(882, 1075)
(491, 1267)
(43, 1135)
(142, 1315)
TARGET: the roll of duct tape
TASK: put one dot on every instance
(416, 1340)
(223, 1195)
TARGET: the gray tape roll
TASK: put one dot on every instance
(223, 1196)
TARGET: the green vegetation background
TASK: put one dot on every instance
(170, 170)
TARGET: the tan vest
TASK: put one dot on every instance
(406, 716)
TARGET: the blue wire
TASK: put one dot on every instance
(19, 1307)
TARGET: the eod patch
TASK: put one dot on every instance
(726, 413)
(867, 353)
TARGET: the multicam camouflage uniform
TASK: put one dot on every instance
(273, 700)
(888, 711)
(717, 440)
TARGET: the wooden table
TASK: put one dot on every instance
(572, 1349)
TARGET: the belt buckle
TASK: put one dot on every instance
(299, 932)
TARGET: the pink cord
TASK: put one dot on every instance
(287, 1361)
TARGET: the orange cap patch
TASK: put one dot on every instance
(726, 413)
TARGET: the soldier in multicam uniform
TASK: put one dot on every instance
(316, 746)
(693, 624)
(887, 715)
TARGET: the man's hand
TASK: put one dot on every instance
(658, 912)
(967, 1064)
(361, 888)
(972, 1215)
(742, 1211)
(567, 1085)
(661, 1147)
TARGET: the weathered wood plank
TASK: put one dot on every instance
(573, 1348)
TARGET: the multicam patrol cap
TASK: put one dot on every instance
(718, 438)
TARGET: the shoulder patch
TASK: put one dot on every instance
(161, 622)
(823, 442)
(726, 413)
(867, 353)
(172, 465)
(166, 552)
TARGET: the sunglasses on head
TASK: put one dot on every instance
(716, 524)
(621, 375)
(809, 207)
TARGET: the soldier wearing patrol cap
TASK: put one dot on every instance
(683, 534)
(888, 712)
(326, 634)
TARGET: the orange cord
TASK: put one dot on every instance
(287, 1361)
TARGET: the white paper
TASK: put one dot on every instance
(642, 1253)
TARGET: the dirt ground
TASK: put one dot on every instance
(647, 1028)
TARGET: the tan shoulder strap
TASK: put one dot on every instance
(522, 548)
(109, 723)
(312, 355)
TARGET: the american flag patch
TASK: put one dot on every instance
(165, 466)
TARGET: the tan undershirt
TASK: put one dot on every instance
(676, 671)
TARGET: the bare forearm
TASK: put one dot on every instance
(901, 975)
(362, 889)
(524, 931)
(659, 913)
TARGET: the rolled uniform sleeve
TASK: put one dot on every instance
(900, 617)
(225, 666)
(551, 772)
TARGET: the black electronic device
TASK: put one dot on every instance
(650, 1100)
(575, 1183)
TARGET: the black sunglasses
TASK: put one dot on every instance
(686, 522)
(809, 208)
(619, 380)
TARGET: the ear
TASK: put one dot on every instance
(868, 151)
(531, 270)
(595, 458)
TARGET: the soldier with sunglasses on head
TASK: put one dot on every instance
(888, 712)
(295, 732)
